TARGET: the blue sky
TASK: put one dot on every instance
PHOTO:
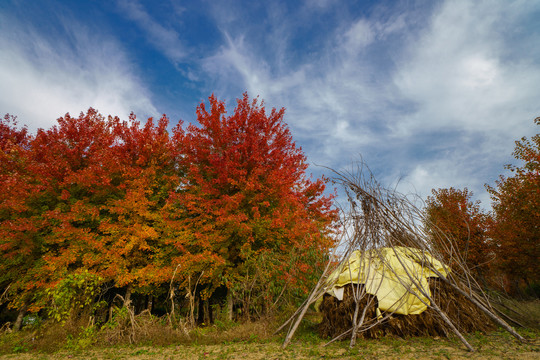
(430, 94)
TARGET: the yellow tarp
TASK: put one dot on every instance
(387, 273)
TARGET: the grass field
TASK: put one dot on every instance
(255, 341)
(497, 345)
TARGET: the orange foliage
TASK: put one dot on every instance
(516, 206)
(130, 205)
(454, 213)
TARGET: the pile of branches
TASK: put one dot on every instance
(337, 315)
(376, 218)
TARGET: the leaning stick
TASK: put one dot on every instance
(432, 304)
(303, 304)
(493, 317)
(308, 302)
(290, 319)
(291, 332)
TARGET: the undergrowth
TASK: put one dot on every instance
(145, 330)
(141, 330)
(526, 313)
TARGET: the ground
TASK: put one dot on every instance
(497, 345)
(156, 339)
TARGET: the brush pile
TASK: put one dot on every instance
(338, 315)
(411, 293)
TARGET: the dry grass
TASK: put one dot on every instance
(141, 330)
(155, 339)
(497, 345)
(259, 331)
(526, 313)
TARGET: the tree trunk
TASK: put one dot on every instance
(110, 315)
(127, 298)
(18, 322)
(199, 316)
(192, 309)
(229, 305)
(206, 311)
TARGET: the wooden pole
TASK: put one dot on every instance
(308, 302)
(490, 314)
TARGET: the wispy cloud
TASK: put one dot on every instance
(164, 39)
(330, 99)
(434, 95)
(463, 79)
(461, 74)
(435, 98)
(44, 78)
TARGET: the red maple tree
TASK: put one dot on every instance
(245, 197)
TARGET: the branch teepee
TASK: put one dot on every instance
(391, 273)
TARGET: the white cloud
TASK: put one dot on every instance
(460, 75)
(437, 96)
(359, 36)
(463, 78)
(329, 100)
(441, 173)
(478, 72)
(44, 78)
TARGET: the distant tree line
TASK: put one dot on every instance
(501, 246)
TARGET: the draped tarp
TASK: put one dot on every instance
(398, 276)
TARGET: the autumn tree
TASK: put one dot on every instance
(19, 246)
(247, 201)
(111, 180)
(133, 230)
(465, 225)
(516, 207)
(95, 202)
(86, 201)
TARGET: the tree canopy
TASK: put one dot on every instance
(245, 195)
(505, 241)
(135, 207)
(453, 212)
(516, 208)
